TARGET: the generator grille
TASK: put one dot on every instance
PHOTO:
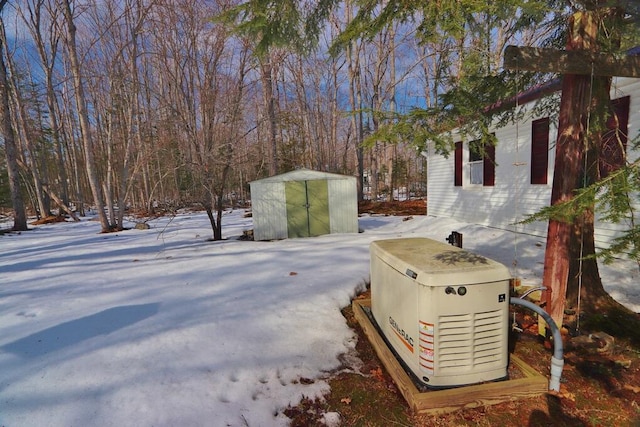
(470, 341)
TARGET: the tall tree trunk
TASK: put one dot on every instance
(333, 120)
(584, 287)
(392, 108)
(567, 273)
(23, 128)
(352, 52)
(73, 150)
(83, 116)
(229, 136)
(266, 73)
(10, 146)
(33, 18)
(574, 106)
(133, 122)
(55, 133)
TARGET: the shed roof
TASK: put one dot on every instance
(301, 175)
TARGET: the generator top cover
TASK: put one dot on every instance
(433, 263)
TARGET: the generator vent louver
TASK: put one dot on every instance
(469, 340)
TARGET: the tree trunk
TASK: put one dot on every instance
(83, 117)
(392, 109)
(217, 229)
(568, 162)
(355, 101)
(229, 136)
(23, 131)
(266, 69)
(19, 212)
(216, 226)
(569, 273)
(584, 286)
(133, 120)
(585, 291)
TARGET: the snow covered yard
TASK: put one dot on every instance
(161, 327)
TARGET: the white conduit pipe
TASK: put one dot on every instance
(557, 360)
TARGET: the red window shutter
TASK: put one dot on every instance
(489, 166)
(457, 179)
(614, 139)
(539, 151)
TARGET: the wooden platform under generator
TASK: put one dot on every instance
(449, 400)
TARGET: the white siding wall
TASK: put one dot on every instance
(501, 205)
(513, 197)
(622, 87)
(343, 205)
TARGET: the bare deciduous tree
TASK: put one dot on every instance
(83, 117)
(11, 150)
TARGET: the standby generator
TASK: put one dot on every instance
(444, 311)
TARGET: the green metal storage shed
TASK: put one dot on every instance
(303, 203)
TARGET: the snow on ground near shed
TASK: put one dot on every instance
(161, 327)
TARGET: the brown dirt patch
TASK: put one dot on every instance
(408, 207)
(597, 389)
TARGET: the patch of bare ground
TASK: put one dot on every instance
(399, 208)
(600, 387)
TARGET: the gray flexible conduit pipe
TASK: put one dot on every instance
(557, 360)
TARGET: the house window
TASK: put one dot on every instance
(476, 162)
(614, 139)
(482, 163)
(539, 151)
(457, 174)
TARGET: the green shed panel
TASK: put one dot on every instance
(307, 208)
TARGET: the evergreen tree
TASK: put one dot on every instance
(472, 82)
(570, 265)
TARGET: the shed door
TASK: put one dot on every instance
(307, 208)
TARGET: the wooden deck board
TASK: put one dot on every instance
(449, 400)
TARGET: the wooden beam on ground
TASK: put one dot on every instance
(442, 401)
(547, 60)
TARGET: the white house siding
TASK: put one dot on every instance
(512, 197)
(623, 87)
(501, 205)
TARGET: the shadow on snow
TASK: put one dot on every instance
(75, 331)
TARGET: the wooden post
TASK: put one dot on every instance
(547, 60)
